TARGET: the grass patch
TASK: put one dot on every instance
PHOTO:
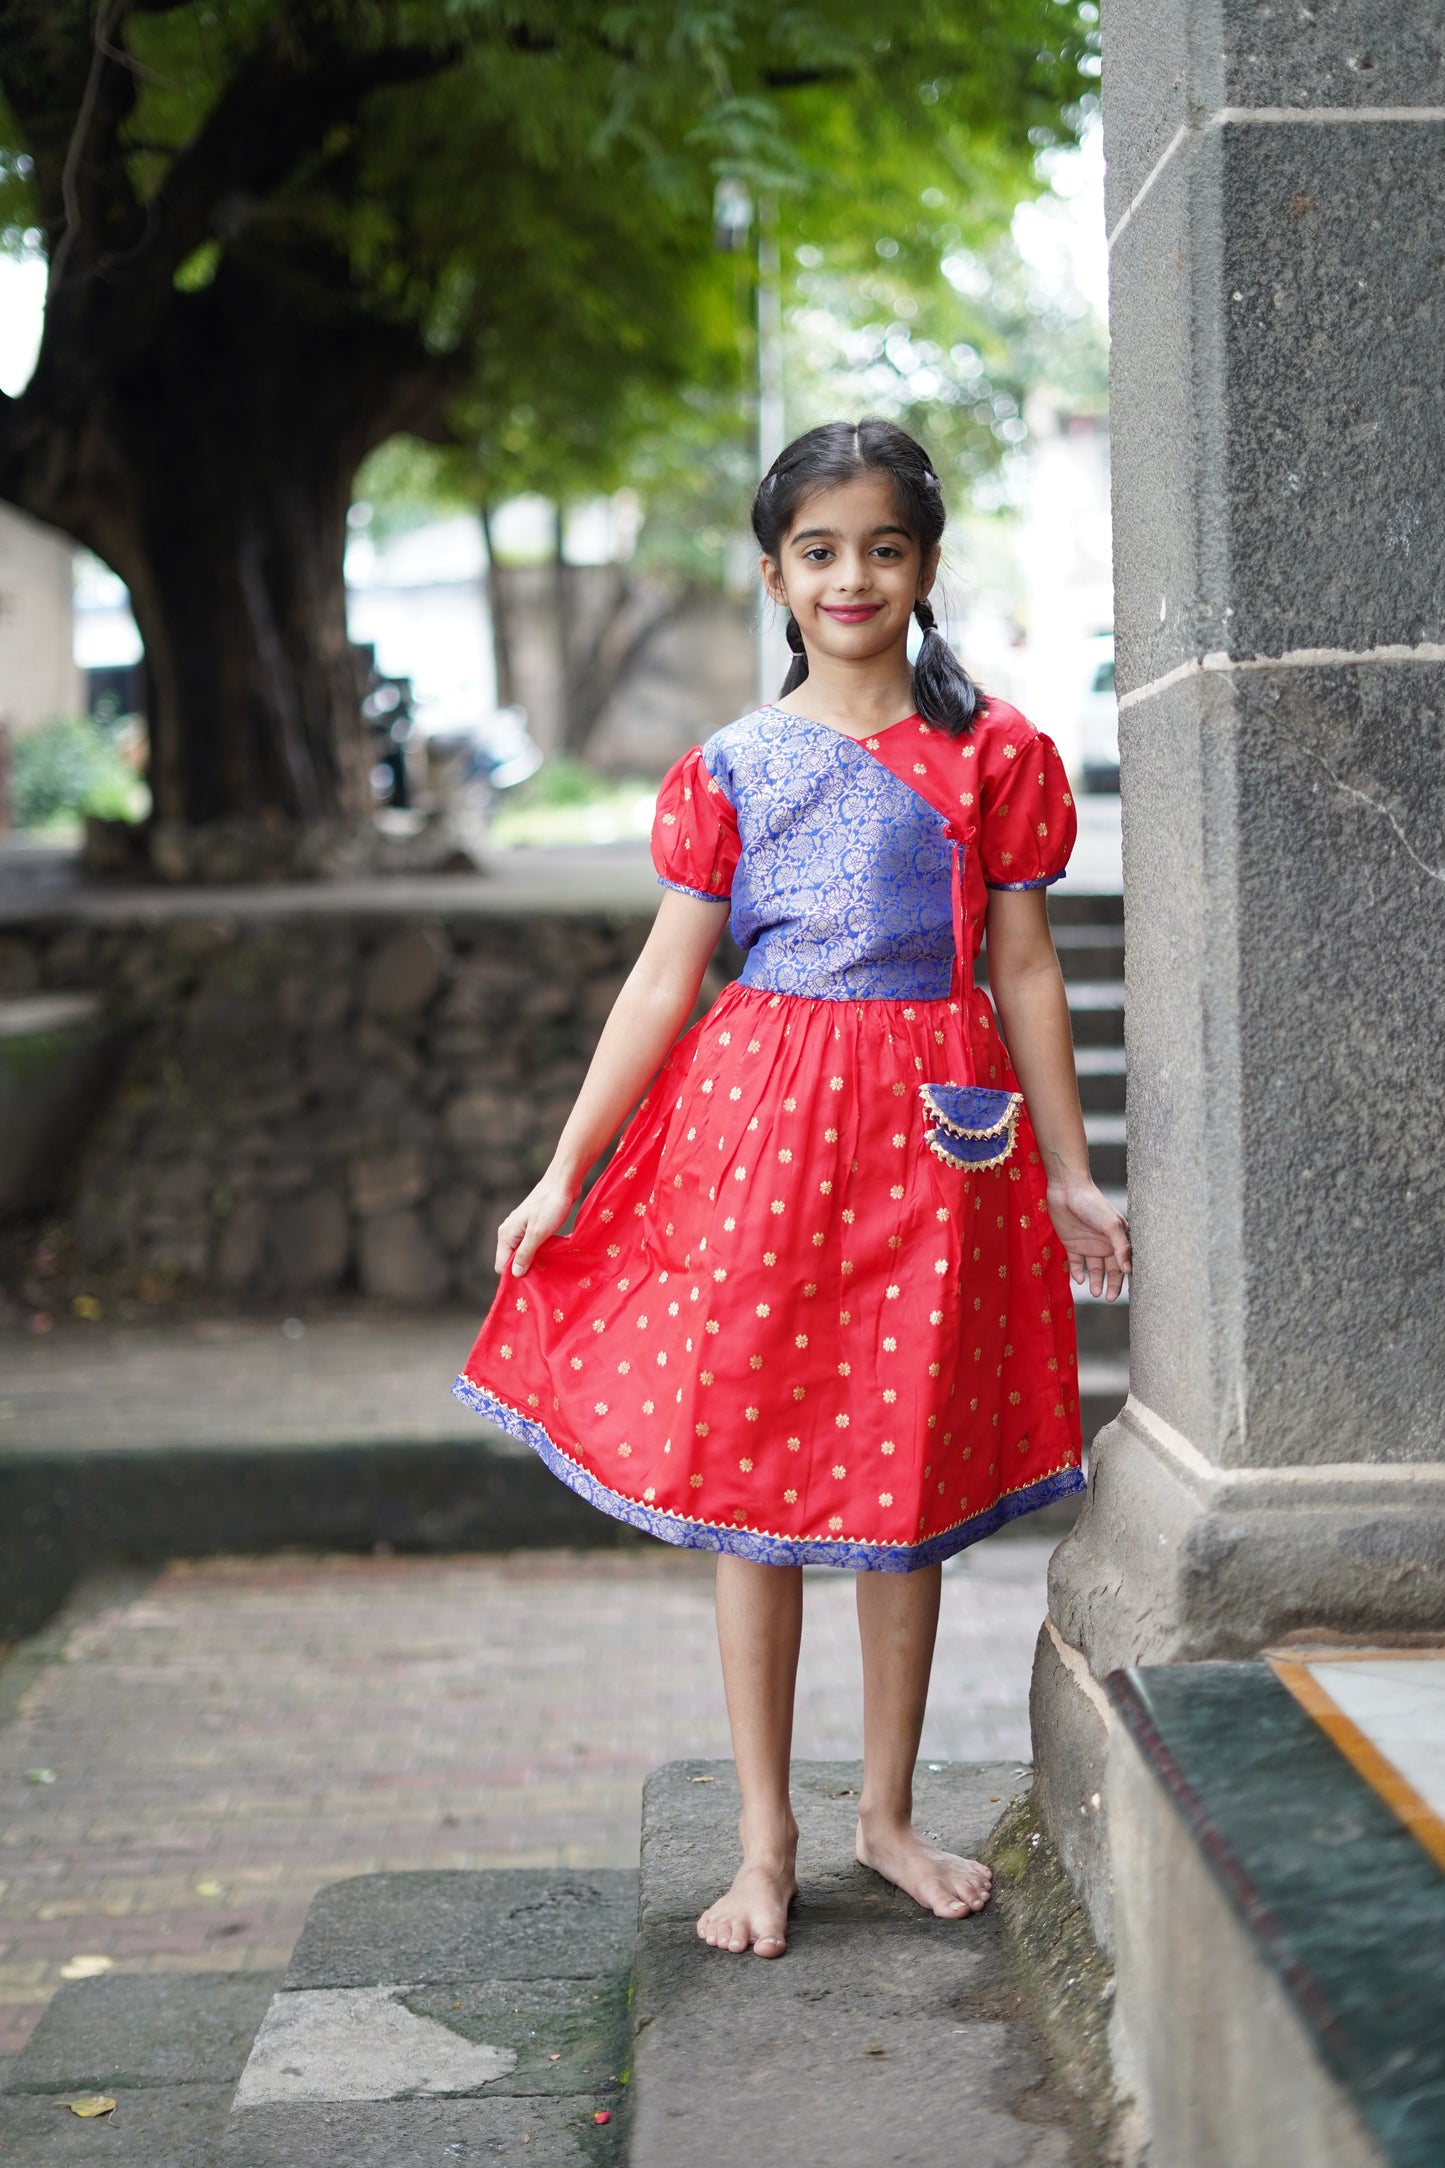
(566, 802)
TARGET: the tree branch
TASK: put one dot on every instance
(108, 14)
(805, 78)
(71, 91)
(265, 121)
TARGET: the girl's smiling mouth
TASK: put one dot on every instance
(850, 613)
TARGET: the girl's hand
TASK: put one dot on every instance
(1094, 1235)
(539, 1215)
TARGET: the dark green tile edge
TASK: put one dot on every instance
(1342, 1903)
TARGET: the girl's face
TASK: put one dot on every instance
(849, 572)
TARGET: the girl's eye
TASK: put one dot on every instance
(816, 554)
(887, 549)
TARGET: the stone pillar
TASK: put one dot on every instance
(1276, 207)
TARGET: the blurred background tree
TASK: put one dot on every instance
(280, 232)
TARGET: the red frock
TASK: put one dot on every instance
(782, 1327)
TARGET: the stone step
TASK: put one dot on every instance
(1090, 951)
(61, 1512)
(438, 2016)
(1107, 1154)
(1096, 1012)
(1103, 1327)
(167, 2048)
(883, 2035)
(1100, 1071)
(1103, 1378)
(148, 1442)
(1091, 907)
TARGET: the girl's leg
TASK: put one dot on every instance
(898, 1623)
(759, 1624)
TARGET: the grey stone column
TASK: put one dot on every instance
(1276, 205)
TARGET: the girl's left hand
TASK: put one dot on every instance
(1094, 1235)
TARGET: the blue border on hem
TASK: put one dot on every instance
(750, 1542)
(1046, 881)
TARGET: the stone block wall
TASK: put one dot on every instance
(320, 1105)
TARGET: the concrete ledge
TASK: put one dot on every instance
(1232, 2077)
(1069, 1722)
(59, 1518)
(1279, 1935)
(883, 2032)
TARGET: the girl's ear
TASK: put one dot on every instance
(773, 581)
(928, 572)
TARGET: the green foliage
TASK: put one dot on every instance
(407, 483)
(65, 770)
(526, 187)
(535, 195)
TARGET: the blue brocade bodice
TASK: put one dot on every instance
(843, 890)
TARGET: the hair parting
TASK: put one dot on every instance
(943, 692)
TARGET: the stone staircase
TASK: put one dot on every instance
(574, 2020)
(1089, 936)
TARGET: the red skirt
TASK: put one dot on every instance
(782, 1327)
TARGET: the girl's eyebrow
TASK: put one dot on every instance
(829, 534)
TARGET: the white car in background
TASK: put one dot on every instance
(1099, 717)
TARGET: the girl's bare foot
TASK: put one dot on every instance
(754, 1913)
(942, 1882)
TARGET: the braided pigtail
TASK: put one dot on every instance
(798, 667)
(943, 692)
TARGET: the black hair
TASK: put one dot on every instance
(943, 692)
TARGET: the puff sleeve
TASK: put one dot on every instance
(695, 842)
(1027, 821)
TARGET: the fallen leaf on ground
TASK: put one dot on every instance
(87, 2103)
(210, 1889)
(555, 2058)
(702, 1780)
(87, 1307)
(86, 1966)
(40, 1776)
(603, 2115)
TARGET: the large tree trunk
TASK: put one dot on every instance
(214, 475)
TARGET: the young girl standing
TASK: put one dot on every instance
(816, 1309)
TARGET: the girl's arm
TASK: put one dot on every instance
(1033, 1008)
(647, 1016)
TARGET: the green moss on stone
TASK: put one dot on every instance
(1063, 1975)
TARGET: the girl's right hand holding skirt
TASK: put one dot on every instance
(539, 1215)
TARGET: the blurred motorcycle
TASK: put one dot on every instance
(442, 770)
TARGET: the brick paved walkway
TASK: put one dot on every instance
(226, 1736)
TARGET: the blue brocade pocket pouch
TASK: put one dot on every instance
(974, 1128)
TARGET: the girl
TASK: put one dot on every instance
(816, 1309)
